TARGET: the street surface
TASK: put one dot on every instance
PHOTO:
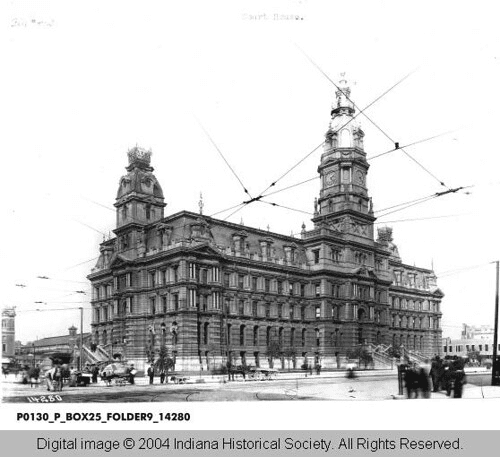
(327, 386)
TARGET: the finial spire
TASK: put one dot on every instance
(200, 203)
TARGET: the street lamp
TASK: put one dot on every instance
(33, 344)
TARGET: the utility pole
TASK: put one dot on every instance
(495, 368)
(81, 340)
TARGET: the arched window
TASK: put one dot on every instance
(345, 138)
(256, 335)
(304, 337)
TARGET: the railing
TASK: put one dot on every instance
(415, 356)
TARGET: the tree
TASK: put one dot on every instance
(164, 361)
(362, 354)
(273, 351)
(394, 352)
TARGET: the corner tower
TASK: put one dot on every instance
(139, 201)
(343, 202)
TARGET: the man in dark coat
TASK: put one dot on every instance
(151, 373)
(435, 373)
(424, 387)
(411, 381)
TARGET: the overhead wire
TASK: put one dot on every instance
(410, 144)
(286, 207)
(223, 158)
(340, 128)
(373, 122)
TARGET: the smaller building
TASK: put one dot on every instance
(8, 333)
(42, 349)
(477, 339)
(477, 332)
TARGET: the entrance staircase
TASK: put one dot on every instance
(98, 356)
(380, 355)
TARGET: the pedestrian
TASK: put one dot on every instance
(458, 384)
(57, 378)
(424, 388)
(447, 379)
(131, 374)
(411, 382)
(162, 376)
(72, 377)
(436, 373)
(95, 372)
(151, 374)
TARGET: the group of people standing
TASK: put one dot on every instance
(448, 375)
(416, 381)
(152, 374)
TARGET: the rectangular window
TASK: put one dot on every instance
(192, 270)
(302, 290)
(216, 300)
(240, 281)
(164, 304)
(318, 312)
(486, 347)
(266, 285)
(254, 283)
(152, 305)
(152, 279)
(215, 274)
(480, 347)
(226, 279)
(176, 302)
(317, 290)
(316, 255)
(280, 287)
(192, 298)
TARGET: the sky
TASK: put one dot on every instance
(86, 81)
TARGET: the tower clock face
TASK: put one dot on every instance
(330, 179)
(360, 178)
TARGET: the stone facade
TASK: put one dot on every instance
(213, 291)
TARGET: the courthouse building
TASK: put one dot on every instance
(212, 291)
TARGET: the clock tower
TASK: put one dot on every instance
(139, 202)
(343, 202)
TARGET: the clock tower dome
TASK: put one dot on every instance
(343, 202)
